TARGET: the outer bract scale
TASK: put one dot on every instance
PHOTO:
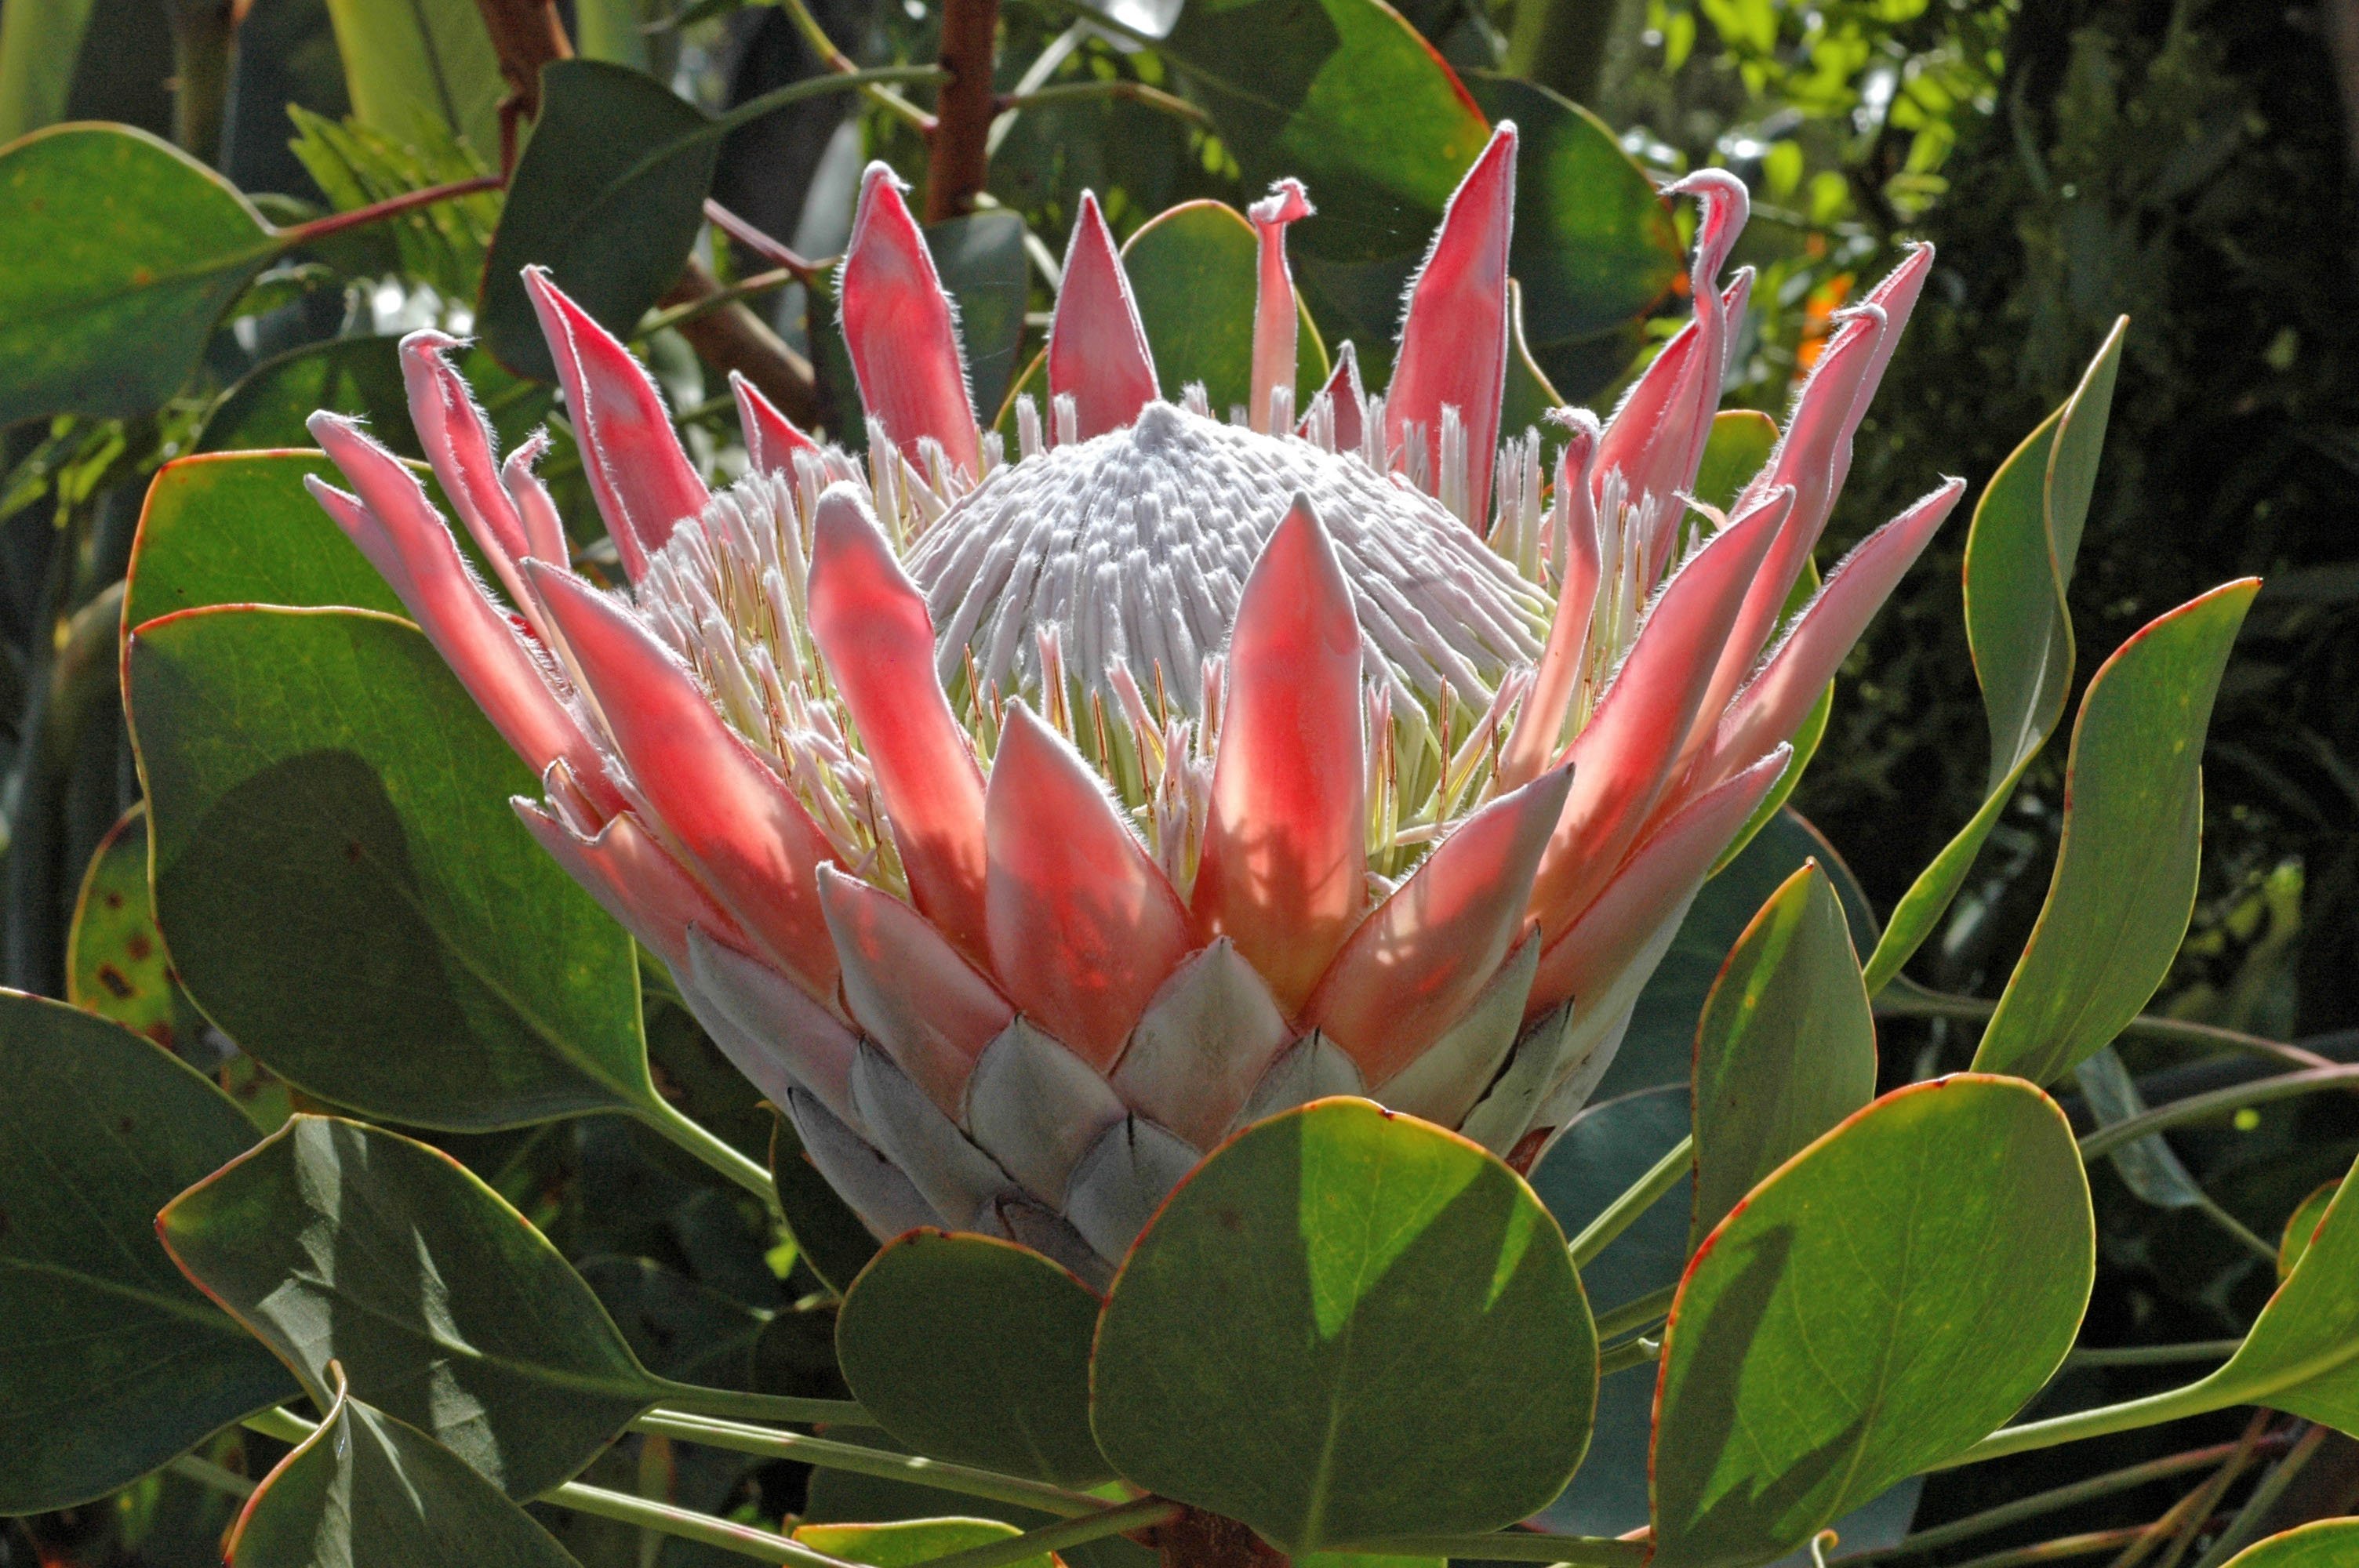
(1023, 825)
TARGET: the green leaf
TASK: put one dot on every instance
(1594, 246)
(981, 263)
(976, 1351)
(117, 254)
(1786, 1048)
(268, 406)
(346, 890)
(608, 195)
(2126, 870)
(1659, 1046)
(2321, 1543)
(2302, 1224)
(239, 529)
(110, 1363)
(115, 965)
(677, 1327)
(366, 1490)
(1345, 1325)
(340, 1242)
(421, 64)
(2020, 552)
(906, 1542)
(2301, 1355)
(41, 49)
(1191, 269)
(1888, 1296)
(845, 1495)
(830, 1238)
(1740, 442)
(1346, 96)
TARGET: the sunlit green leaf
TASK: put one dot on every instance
(2125, 880)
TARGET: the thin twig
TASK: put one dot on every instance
(2155, 1354)
(391, 207)
(2197, 1108)
(1902, 1000)
(1600, 1232)
(776, 252)
(830, 1454)
(1171, 103)
(836, 61)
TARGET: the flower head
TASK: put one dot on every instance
(1023, 825)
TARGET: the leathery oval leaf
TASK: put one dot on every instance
(904, 1543)
(115, 965)
(2132, 837)
(1191, 269)
(344, 889)
(366, 1490)
(2301, 1225)
(1787, 1047)
(2301, 1355)
(975, 1350)
(1347, 1325)
(110, 1362)
(1888, 1296)
(2322, 1543)
(239, 529)
(338, 1243)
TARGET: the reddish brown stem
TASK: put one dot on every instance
(733, 337)
(775, 251)
(525, 36)
(392, 206)
(961, 158)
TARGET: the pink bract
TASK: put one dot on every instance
(1022, 827)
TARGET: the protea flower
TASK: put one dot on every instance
(1022, 827)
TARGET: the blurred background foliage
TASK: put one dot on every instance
(2189, 162)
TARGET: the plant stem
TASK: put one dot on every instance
(686, 1400)
(280, 1422)
(959, 159)
(1044, 65)
(1514, 1546)
(205, 1473)
(2039, 1503)
(1637, 1314)
(1619, 1214)
(1178, 108)
(769, 249)
(391, 207)
(1629, 1353)
(2155, 1354)
(2271, 1487)
(1141, 1513)
(1903, 999)
(663, 1117)
(203, 32)
(2172, 1404)
(2056, 1551)
(720, 298)
(836, 61)
(829, 1455)
(1561, 44)
(745, 1541)
(2196, 1108)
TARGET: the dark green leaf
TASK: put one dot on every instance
(344, 888)
(831, 1237)
(608, 195)
(360, 376)
(117, 254)
(1193, 272)
(337, 1242)
(1786, 1048)
(1344, 96)
(1659, 1047)
(110, 1363)
(420, 63)
(1883, 1301)
(1594, 245)
(239, 529)
(982, 262)
(1346, 1325)
(677, 1327)
(2125, 882)
(2019, 556)
(2322, 1543)
(905, 1543)
(2301, 1225)
(366, 1490)
(976, 1351)
(41, 49)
